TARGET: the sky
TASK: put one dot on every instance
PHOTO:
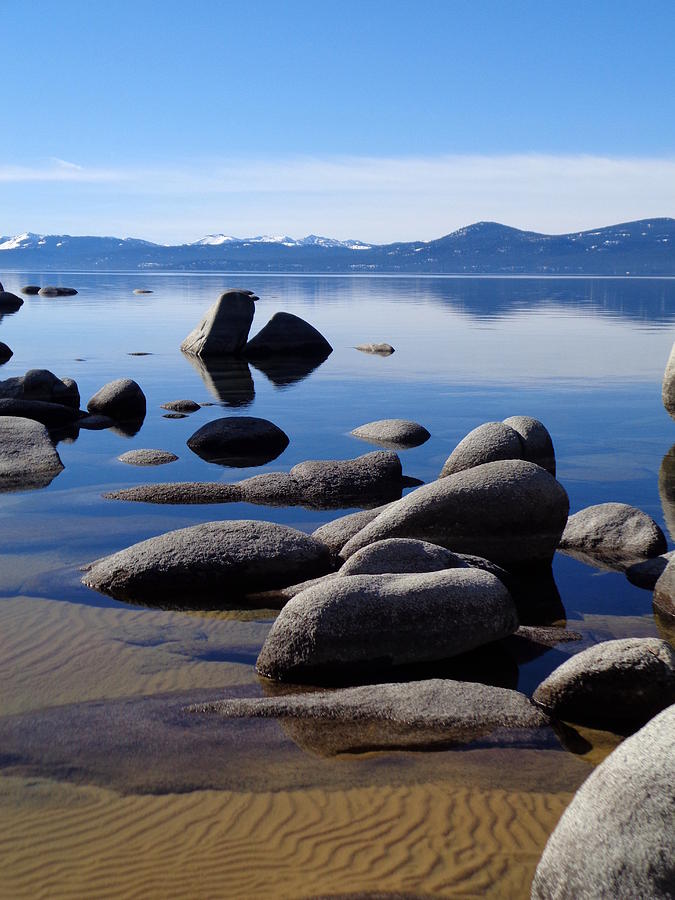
(377, 120)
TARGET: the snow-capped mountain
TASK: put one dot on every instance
(214, 240)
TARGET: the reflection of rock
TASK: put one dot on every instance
(283, 371)
(615, 533)
(407, 715)
(615, 839)
(537, 598)
(668, 387)
(127, 429)
(667, 490)
(238, 441)
(226, 377)
(28, 459)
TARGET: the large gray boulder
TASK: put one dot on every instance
(511, 512)
(224, 329)
(9, 302)
(28, 459)
(488, 443)
(668, 387)
(41, 384)
(121, 400)
(5, 353)
(613, 532)
(52, 415)
(238, 441)
(400, 555)
(286, 334)
(394, 433)
(217, 562)
(616, 838)
(410, 715)
(664, 591)
(371, 478)
(337, 532)
(374, 621)
(623, 681)
(536, 440)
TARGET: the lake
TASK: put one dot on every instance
(107, 789)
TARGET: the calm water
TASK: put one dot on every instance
(585, 356)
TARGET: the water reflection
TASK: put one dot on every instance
(283, 371)
(227, 378)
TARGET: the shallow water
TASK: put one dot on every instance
(252, 814)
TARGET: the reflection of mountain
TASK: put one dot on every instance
(228, 378)
(283, 371)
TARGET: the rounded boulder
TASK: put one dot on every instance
(238, 441)
(121, 400)
(488, 443)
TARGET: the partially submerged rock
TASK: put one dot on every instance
(41, 384)
(143, 291)
(52, 415)
(288, 335)
(121, 400)
(668, 386)
(410, 715)
(537, 442)
(9, 302)
(400, 555)
(238, 441)
(381, 349)
(31, 290)
(182, 406)
(54, 291)
(217, 562)
(369, 621)
(621, 681)
(395, 433)
(225, 327)
(147, 457)
(616, 838)
(488, 443)
(511, 512)
(5, 353)
(28, 459)
(614, 532)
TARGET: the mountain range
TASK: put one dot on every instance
(643, 247)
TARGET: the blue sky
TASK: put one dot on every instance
(374, 120)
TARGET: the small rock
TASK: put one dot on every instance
(616, 837)
(40, 384)
(393, 433)
(488, 443)
(52, 291)
(31, 290)
(52, 415)
(628, 680)
(5, 353)
(370, 621)
(614, 532)
(537, 442)
(225, 327)
(146, 457)
(511, 512)
(9, 302)
(28, 459)
(139, 353)
(238, 441)
(400, 555)
(378, 349)
(183, 406)
(121, 400)
(414, 714)
(142, 291)
(286, 334)
(218, 562)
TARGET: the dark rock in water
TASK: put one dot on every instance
(40, 384)
(511, 512)
(284, 371)
(217, 562)
(668, 387)
(122, 400)
(393, 433)
(31, 290)
(228, 378)
(52, 415)
(336, 533)
(368, 479)
(28, 459)
(9, 302)
(377, 349)
(5, 353)
(645, 574)
(400, 555)
(288, 335)
(142, 291)
(95, 422)
(614, 532)
(616, 837)
(622, 681)
(53, 291)
(410, 715)
(537, 442)
(238, 441)
(366, 621)
(488, 443)
(139, 353)
(146, 457)
(225, 327)
(664, 592)
(183, 406)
